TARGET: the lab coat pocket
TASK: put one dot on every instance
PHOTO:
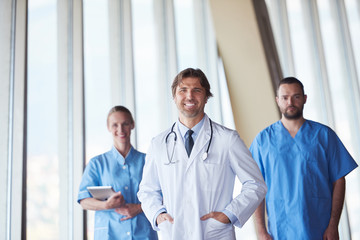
(212, 176)
(216, 230)
(165, 229)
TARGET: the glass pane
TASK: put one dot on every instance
(42, 139)
(279, 27)
(97, 77)
(342, 101)
(305, 64)
(149, 94)
(185, 24)
(353, 180)
(97, 85)
(353, 14)
(337, 75)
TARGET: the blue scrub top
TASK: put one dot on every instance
(111, 169)
(299, 173)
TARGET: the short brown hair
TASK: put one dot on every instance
(195, 73)
(290, 80)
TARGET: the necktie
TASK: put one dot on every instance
(189, 142)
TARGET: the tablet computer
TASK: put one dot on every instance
(101, 192)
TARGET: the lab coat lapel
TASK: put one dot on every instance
(200, 143)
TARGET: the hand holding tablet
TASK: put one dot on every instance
(101, 193)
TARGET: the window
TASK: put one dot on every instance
(42, 149)
(83, 57)
(322, 53)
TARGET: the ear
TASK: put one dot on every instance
(305, 98)
(107, 124)
(277, 100)
(132, 125)
(108, 127)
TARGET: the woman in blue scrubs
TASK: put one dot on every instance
(120, 216)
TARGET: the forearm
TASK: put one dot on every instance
(93, 204)
(129, 210)
(253, 186)
(259, 217)
(150, 191)
(337, 202)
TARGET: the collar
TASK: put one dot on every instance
(118, 157)
(183, 129)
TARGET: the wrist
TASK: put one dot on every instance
(139, 209)
(333, 224)
(105, 205)
(262, 230)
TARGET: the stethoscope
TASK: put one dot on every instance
(170, 158)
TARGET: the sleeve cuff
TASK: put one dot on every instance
(155, 217)
(83, 194)
(230, 215)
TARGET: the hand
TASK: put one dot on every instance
(115, 201)
(331, 233)
(164, 217)
(129, 210)
(219, 216)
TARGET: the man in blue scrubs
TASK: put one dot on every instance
(304, 165)
(120, 216)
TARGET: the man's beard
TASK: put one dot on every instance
(298, 114)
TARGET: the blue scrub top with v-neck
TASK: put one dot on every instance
(123, 174)
(299, 173)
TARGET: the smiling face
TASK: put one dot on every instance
(120, 125)
(291, 100)
(190, 99)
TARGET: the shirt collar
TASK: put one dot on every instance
(183, 129)
(119, 157)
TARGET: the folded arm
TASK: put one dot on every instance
(115, 201)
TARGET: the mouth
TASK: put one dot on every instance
(291, 108)
(189, 104)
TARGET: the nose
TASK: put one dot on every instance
(290, 101)
(189, 95)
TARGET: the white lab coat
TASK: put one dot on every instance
(192, 187)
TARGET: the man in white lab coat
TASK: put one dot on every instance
(188, 179)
